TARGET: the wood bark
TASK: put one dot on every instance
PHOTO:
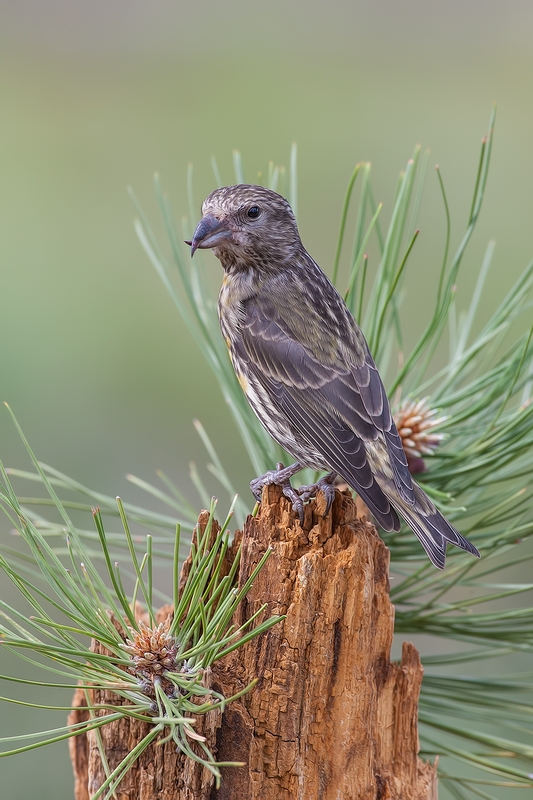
(331, 718)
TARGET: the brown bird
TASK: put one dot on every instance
(305, 366)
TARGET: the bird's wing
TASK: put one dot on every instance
(333, 399)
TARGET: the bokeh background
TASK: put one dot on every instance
(97, 96)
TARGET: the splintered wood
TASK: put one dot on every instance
(330, 717)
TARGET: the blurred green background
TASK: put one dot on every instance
(96, 96)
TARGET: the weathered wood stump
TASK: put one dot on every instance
(330, 717)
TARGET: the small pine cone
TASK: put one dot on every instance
(153, 652)
(416, 422)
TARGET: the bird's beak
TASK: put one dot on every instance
(209, 232)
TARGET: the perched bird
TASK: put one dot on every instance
(305, 366)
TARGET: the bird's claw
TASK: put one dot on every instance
(281, 476)
(325, 485)
(271, 477)
(293, 495)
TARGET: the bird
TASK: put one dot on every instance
(306, 368)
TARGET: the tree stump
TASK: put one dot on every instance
(330, 717)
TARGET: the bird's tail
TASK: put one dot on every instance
(433, 530)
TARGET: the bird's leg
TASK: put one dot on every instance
(281, 476)
(326, 485)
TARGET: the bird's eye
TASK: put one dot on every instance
(253, 212)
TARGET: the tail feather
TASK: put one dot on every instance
(431, 527)
(386, 517)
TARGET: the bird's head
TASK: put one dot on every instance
(247, 226)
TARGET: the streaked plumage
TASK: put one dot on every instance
(304, 364)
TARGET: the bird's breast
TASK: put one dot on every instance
(235, 289)
(229, 315)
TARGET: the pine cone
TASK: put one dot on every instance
(416, 422)
(153, 652)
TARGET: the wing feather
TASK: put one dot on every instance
(335, 404)
(343, 451)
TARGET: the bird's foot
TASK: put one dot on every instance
(326, 485)
(281, 476)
